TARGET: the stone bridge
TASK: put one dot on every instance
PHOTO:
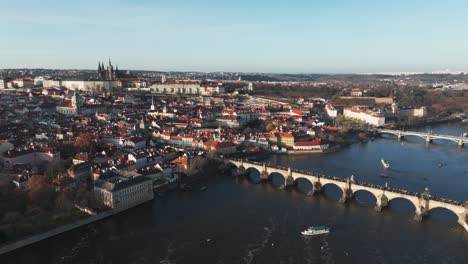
(422, 202)
(426, 136)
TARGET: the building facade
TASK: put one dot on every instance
(187, 87)
(120, 193)
(368, 117)
(70, 107)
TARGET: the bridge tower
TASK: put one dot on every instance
(423, 205)
(347, 192)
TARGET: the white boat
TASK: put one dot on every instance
(385, 163)
(315, 230)
(465, 120)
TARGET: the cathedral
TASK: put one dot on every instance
(107, 74)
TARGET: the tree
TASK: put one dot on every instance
(270, 126)
(12, 200)
(40, 192)
(87, 141)
(63, 202)
(362, 135)
(53, 169)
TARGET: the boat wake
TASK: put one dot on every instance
(253, 249)
(82, 243)
(326, 254)
(169, 252)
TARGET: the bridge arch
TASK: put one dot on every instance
(232, 168)
(403, 203)
(391, 134)
(277, 179)
(254, 174)
(363, 196)
(304, 185)
(414, 136)
(445, 140)
(332, 189)
(444, 213)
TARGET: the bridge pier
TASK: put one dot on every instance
(240, 169)
(428, 139)
(287, 182)
(317, 187)
(421, 212)
(400, 136)
(382, 201)
(264, 176)
(347, 194)
(460, 143)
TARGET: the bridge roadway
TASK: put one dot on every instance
(426, 136)
(423, 202)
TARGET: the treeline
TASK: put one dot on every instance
(440, 103)
(290, 91)
(42, 205)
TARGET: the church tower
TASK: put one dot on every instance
(152, 104)
(76, 102)
(110, 72)
(106, 74)
(394, 103)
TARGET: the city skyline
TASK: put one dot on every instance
(264, 36)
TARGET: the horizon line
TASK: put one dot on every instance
(447, 71)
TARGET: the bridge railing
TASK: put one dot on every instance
(420, 133)
(365, 184)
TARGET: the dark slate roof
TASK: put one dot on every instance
(119, 183)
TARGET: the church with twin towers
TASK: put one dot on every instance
(107, 74)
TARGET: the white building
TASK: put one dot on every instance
(331, 110)
(356, 92)
(120, 193)
(187, 87)
(81, 85)
(315, 144)
(365, 115)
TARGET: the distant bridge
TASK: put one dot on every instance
(426, 136)
(423, 202)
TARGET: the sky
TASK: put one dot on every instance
(290, 36)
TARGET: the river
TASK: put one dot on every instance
(238, 221)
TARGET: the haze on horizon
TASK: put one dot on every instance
(323, 36)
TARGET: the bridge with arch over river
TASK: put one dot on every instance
(423, 202)
(428, 137)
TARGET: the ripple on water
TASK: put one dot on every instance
(255, 248)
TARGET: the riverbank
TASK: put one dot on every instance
(50, 233)
(302, 152)
(429, 122)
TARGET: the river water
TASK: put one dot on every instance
(239, 221)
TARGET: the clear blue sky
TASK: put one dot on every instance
(332, 36)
